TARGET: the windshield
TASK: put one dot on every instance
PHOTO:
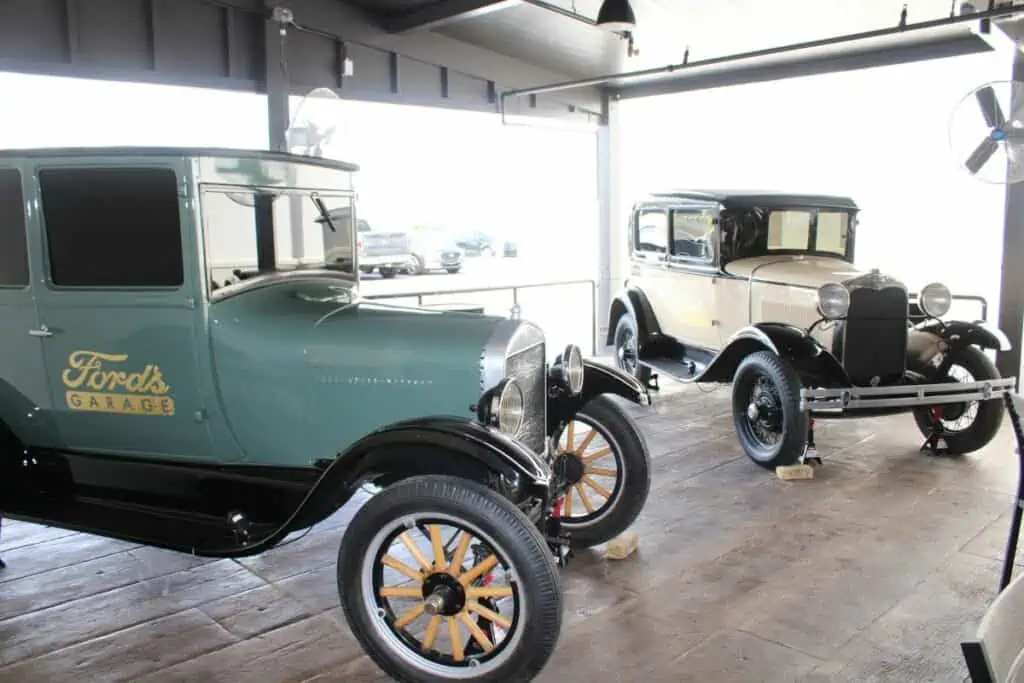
(255, 231)
(816, 231)
(756, 232)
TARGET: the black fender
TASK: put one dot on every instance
(598, 379)
(632, 301)
(931, 344)
(433, 445)
(960, 333)
(815, 364)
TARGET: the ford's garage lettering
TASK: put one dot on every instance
(99, 382)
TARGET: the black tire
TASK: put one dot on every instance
(534, 630)
(387, 273)
(632, 480)
(778, 400)
(989, 417)
(417, 266)
(626, 342)
(453, 270)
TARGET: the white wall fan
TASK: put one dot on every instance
(986, 134)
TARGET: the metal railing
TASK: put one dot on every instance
(517, 292)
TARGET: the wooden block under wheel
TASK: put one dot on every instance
(794, 472)
(622, 546)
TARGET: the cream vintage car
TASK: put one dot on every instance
(760, 290)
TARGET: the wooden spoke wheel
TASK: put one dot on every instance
(442, 579)
(604, 459)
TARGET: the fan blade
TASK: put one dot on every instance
(981, 154)
(990, 107)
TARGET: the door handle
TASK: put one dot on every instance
(43, 331)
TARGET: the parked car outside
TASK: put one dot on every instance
(433, 249)
(477, 243)
(386, 252)
(760, 290)
(154, 392)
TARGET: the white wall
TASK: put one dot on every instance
(879, 135)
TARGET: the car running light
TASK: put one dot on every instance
(572, 364)
(935, 299)
(833, 300)
(507, 406)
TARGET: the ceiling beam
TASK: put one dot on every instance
(441, 13)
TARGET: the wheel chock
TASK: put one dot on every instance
(622, 546)
(794, 472)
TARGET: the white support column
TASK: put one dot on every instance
(612, 222)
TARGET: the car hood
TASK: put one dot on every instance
(304, 353)
(799, 270)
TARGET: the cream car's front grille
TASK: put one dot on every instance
(874, 336)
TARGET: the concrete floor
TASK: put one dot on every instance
(873, 571)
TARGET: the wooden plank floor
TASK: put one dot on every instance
(874, 571)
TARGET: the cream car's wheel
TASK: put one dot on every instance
(766, 410)
(970, 426)
(604, 457)
(442, 579)
(627, 349)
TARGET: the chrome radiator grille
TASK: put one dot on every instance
(527, 368)
(874, 335)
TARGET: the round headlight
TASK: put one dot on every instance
(572, 368)
(833, 300)
(507, 406)
(935, 299)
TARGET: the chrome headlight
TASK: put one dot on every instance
(568, 370)
(935, 299)
(507, 407)
(833, 300)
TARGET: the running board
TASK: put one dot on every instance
(682, 371)
(907, 395)
(199, 535)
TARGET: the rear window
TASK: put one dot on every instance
(13, 246)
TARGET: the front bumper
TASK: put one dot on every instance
(903, 396)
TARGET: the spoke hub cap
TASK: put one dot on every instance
(570, 468)
(443, 595)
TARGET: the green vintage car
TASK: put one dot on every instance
(184, 364)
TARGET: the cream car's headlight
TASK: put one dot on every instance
(507, 407)
(833, 300)
(935, 299)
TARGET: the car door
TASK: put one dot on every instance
(692, 266)
(118, 307)
(648, 253)
(24, 391)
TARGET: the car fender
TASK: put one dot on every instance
(432, 445)
(930, 343)
(632, 301)
(810, 359)
(959, 333)
(598, 379)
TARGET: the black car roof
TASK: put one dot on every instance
(766, 199)
(54, 152)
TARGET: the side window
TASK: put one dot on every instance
(652, 231)
(692, 236)
(112, 227)
(13, 247)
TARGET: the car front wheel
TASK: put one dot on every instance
(970, 426)
(442, 579)
(766, 410)
(627, 349)
(605, 459)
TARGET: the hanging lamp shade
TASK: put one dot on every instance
(616, 15)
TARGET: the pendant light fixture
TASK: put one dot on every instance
(616, 15)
